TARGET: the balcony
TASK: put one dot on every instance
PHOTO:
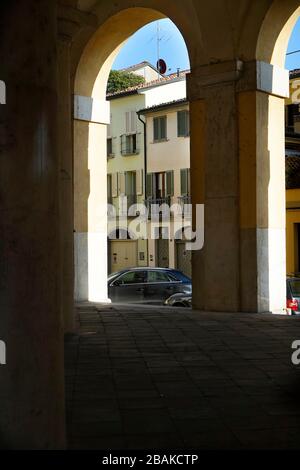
(154, 207)
(130, 145)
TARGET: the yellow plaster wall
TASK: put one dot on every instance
(292, 218)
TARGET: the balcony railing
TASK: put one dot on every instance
(154, 206)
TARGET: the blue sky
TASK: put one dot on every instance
(293, 61)
(143, 46)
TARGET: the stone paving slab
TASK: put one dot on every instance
(141, 377)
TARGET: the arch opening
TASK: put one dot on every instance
(92, 114)
(280, 143)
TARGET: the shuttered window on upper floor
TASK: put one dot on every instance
(185, 181)
(183, 123)
(160, 128)
(130, 122)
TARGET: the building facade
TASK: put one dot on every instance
(126, 176)
(168, 183)
(292, 155)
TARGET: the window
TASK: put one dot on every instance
(291, 111)
(114, 185)
(133, 277)
(150, 186)
(130, 187)
(160, 185)
(185, 182)
(159, 276)
(129, 144)
(170, 183)
(109, 189)
(183, 123)
(110, 147)
(160, 128)
(130, 122)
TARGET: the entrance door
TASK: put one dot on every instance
(162, 253)
(123, 254)
(184, 258)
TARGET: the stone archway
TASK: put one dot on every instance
(230, 175)
(91, 113)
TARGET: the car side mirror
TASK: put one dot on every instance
(116, 283)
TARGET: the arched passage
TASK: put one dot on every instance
(92, 115)
(262, 162)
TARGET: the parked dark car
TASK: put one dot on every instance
(147, 285)
(179, 300)
(293, 294)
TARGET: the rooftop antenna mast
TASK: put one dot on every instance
(158, 45)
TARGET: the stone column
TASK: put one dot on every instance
(65, 136)
(32, 382)
(237, 161)
(90, 198)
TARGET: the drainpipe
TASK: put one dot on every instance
(145, 154)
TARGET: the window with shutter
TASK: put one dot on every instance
(170, 183)
(129, 144)
(139, 182)
(159, 128)
(110, 152)
(127, 122)
(109, 189)
(114, 185)
(109, 127)
(123, 144)
(183, 124)
(133, 121)
(149, 185)
(185, 182)
(121, 180)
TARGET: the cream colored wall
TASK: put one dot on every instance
(121, 164)
(173, 154)
(118, 109)
(164, 93)
(148, 73)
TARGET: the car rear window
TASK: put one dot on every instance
(180, 276)
(159, 276)
(132, 277)
(295, 288)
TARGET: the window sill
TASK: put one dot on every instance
(160, 141)
(130, 154)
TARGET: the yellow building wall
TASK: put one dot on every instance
(294, 91)
(292, 218)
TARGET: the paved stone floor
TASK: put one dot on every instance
(155, 378)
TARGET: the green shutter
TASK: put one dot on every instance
(123, 144)
(183, 124)
(155, 129)
(149, 185)
(184, 182)
(170, 183)
(163, 129)
(187, 117)
(180, 124)
(159, 128)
